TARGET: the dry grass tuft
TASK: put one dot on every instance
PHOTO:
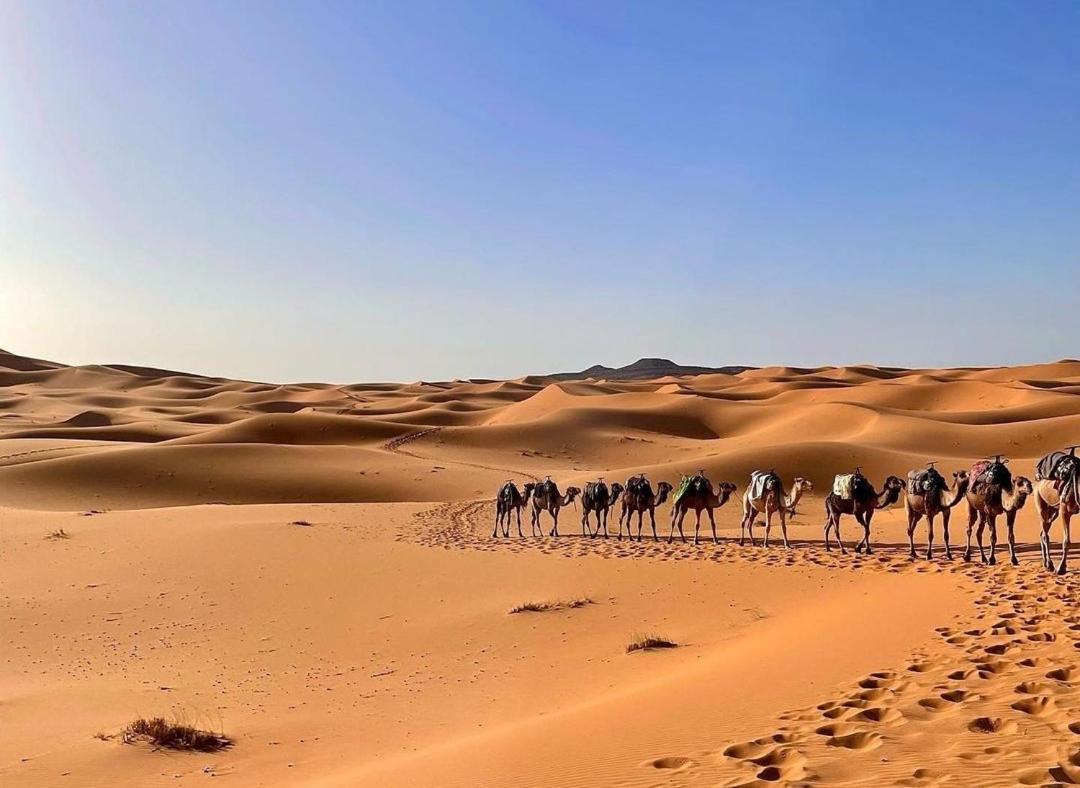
(649, 643)
(548, 606)
(174, 734)
(61, 534)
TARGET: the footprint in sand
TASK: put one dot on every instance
(992, 725)
(1034, 688)
(864, 740)
(1065, 675)
(787, 759)
(878, 714)
(672, 762)
(1036, 706)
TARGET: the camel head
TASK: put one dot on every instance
(1023, 485)
(572, 493)
(802, 485)
(616, 491)
(664, 489)
(725, 490)
(529, 487)
(893, 488)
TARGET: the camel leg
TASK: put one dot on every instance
(1066, 517)
(827, 528)
(517, 511)
(836, 532)
(622, 514)
(697, 525)
(750, 528)
(555, 522)
(742, 528)
(979, 539)
(992, 522)
(586, 529)
(867, 518)
(1044, 544)
(912, 521)
(783, 527)
(676, 512)
(652, 524)
(768, 525)
(1010, 524)
(712, 522)
(498, 516)
(972, 517)
(945, 515)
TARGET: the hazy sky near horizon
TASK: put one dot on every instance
(404, 190)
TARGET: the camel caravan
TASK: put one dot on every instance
(989, 488)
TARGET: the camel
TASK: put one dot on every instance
(600, 499)
(1051, 504)
(638, 496)
(1055, 498)
(771, 501)
(988, 500)
(509, 499)
(862, 505)
(930, 503)
(698, 500)
(547, 498)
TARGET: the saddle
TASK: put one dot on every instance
(636, 484)
(1058, 466)
(544, 488)
(926, 480)
(700, 485)
(596, 490)
(1063, 469)
(508, 492)
(760, 481)
(852, 485)
(991, 472)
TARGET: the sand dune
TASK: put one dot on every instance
(310, 567)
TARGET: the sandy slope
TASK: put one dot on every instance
(372, 645)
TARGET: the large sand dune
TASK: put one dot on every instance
(310, 568)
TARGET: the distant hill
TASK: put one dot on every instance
(645, 369)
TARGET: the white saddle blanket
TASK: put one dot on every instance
(844, 485)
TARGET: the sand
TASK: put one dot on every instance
(310, 569)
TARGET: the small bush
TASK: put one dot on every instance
(61, 534)
(304, 523)
(649, 642)
(174, 735)
(548, 606)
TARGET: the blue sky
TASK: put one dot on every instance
(400, 190)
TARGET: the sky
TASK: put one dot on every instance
(297, 191)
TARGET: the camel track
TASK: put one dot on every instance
(965, 702)
(34, 452)
(395, 445)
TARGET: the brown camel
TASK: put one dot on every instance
(547, 498)
(772, 500)
(864, 502)
(638, 496)
(598, 498)
(988, 499)
(698, 499)
(510, 499)
(929, 503)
